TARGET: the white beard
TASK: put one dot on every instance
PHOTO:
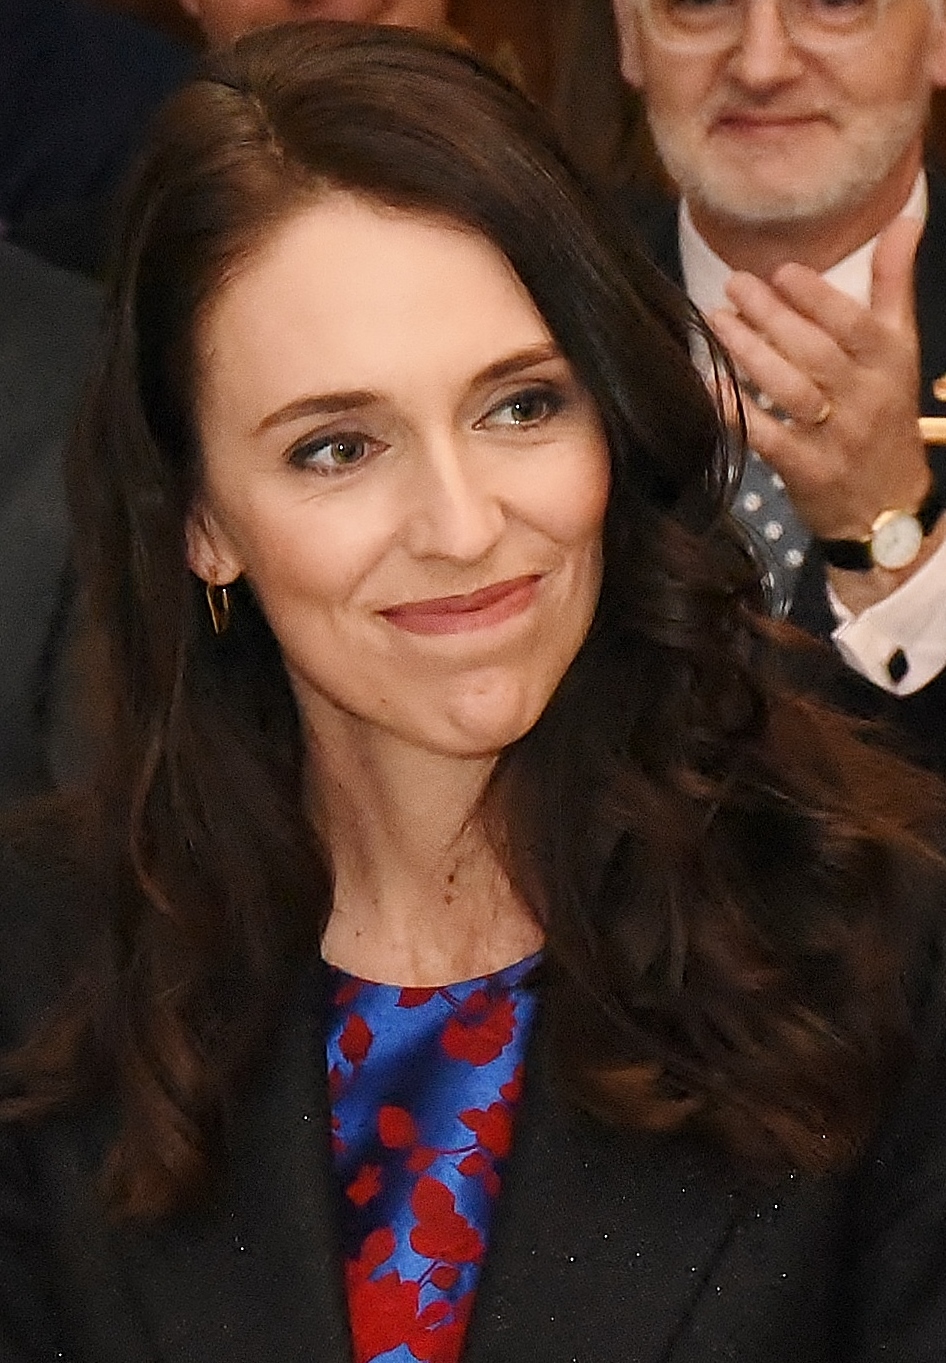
(865, 156)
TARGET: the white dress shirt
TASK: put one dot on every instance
(912, 618)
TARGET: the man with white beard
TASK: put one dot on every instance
(794, 131)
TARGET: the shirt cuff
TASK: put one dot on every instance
(899, 643)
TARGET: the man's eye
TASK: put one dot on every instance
(528, 408)
(333, 454)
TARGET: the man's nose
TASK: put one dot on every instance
(765, 54)
(457, 511)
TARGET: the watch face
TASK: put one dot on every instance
(896, 542)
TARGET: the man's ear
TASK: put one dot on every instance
(191, 7)
(208, 552)
(626, 19)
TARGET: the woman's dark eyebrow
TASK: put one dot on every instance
(336, 403)
(316, 405)
(521, 359)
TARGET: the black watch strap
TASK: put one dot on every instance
(855, 555)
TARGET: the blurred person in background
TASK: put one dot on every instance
(77, 87)
(222, 20)
(814, 239)
(78, 83)
(48, 336)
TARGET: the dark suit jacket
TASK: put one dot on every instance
(77, 86)
(920, 718)
(607, 1248)
(48, 327)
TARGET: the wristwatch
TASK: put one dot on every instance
(895, 538)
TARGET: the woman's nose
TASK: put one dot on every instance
(457, 511)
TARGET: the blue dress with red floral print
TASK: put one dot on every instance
(424, 1086)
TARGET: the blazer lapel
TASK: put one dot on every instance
(603, 1242)
(260, 1277)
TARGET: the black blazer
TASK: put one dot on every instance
(921, 717)
(607, 1248)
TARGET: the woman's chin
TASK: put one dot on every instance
(490, 714)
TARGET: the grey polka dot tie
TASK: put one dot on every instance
(765, 508)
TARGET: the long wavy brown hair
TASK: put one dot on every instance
(720, 865)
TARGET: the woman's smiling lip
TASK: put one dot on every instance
(461, 614)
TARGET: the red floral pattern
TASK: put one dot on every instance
(441, 1232)
(355, 1041)
(481, 1029)
(396, 1127)
(424, 1085)
(386, 1307)
(365, 1185)
(493, 1127)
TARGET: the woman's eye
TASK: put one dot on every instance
(528, 408)
(333, 454)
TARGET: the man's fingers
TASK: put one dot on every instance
(812, 323)
(892, 299)
(806, 327)
(785, 385)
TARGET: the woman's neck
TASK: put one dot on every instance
(420, 897)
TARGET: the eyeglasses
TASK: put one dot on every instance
(704, 26)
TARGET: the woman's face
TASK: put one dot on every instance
(406, 471)
(223, 20)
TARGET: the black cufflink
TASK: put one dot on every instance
(897, 665)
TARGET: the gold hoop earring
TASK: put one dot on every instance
(218, 603)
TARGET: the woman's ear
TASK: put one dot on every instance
(209, 555)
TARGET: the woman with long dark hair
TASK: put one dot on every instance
(467, 942)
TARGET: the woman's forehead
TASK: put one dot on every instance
(350, 296)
